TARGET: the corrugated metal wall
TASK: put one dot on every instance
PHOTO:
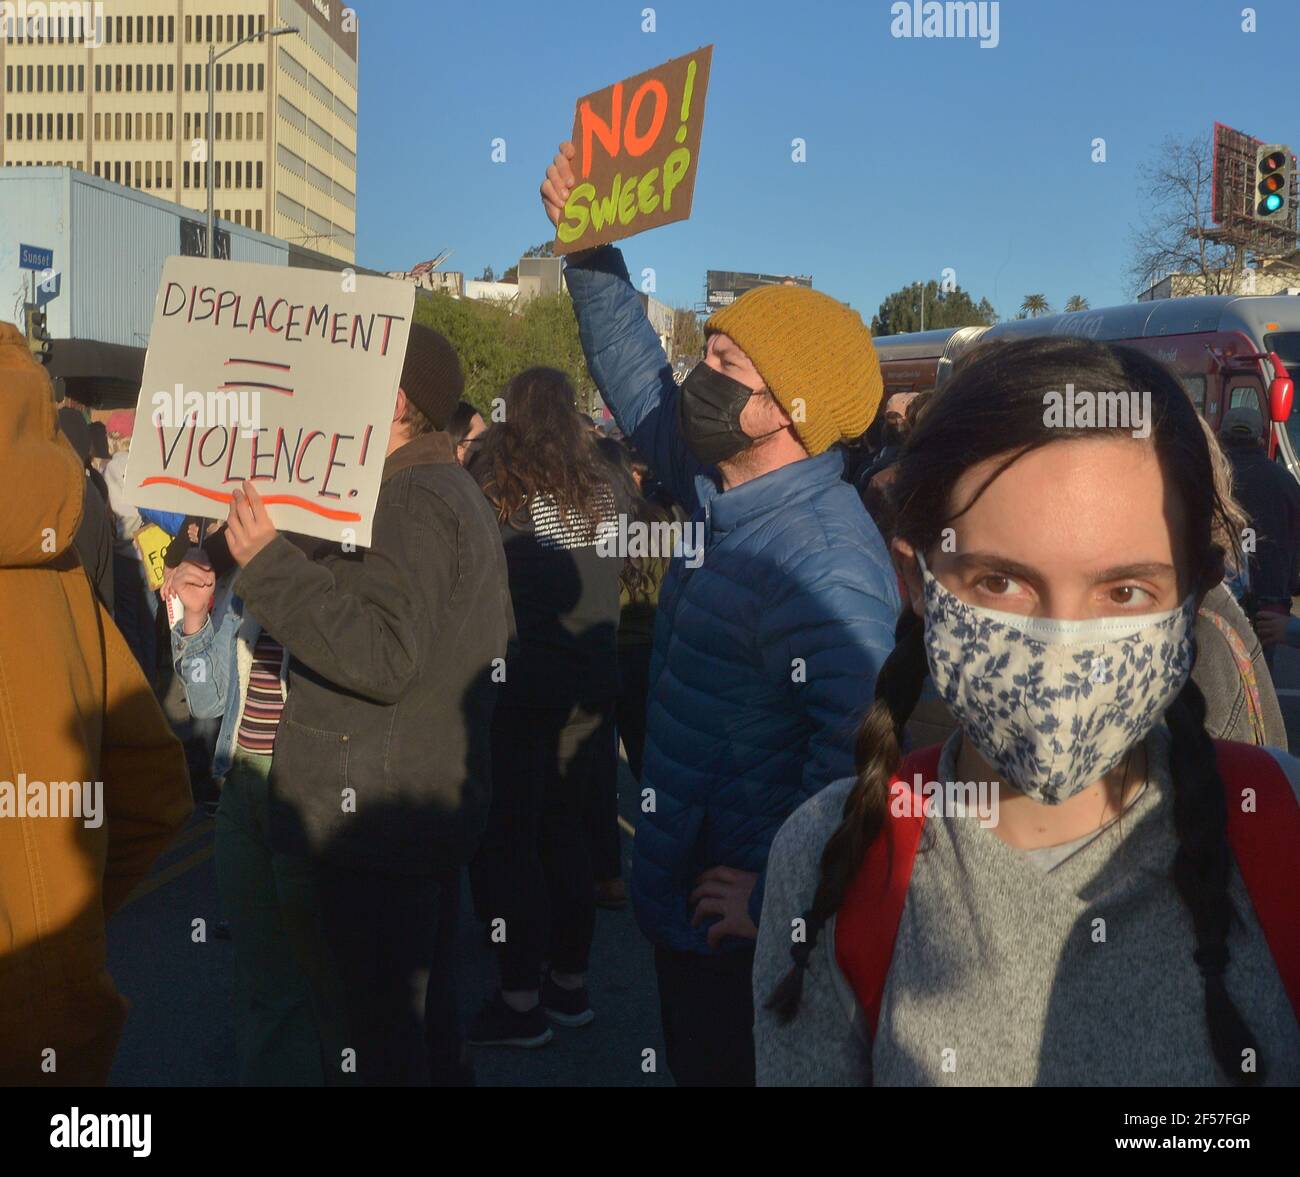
(119, 240)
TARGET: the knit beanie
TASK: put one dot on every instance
(815, 356)
(431, 375)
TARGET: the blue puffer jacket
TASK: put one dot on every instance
(765, 654)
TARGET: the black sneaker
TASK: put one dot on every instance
(496, 1024)
(567, 1007)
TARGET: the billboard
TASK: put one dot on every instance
(725, 286)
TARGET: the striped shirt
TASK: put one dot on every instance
(264, 702)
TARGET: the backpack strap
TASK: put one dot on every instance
(867, 922)
(1264, 843)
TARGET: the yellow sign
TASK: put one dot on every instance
(153, 541)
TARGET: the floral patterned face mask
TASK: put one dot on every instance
(1054, 705)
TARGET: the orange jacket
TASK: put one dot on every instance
(74, 707)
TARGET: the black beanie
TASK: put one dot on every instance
(431, 376)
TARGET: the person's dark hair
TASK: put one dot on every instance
(639, 574)
(915, 407)
(462, 417)
(416, 422)
(993, 408)
(544, 446)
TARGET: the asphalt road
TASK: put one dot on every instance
(180, 1032)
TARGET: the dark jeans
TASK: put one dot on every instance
(634, 675)
(707, 1007)
(393, 943)
(286, 1020)
(533, 868)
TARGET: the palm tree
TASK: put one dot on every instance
(1076, 302)
(1035, 305)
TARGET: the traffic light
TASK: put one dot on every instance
(1273, 183)
(38, 338)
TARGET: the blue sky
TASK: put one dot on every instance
(921, 154)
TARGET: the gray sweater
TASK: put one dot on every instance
(999, 973)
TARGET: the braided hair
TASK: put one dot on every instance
(992, 408)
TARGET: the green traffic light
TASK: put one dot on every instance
(1272, 203)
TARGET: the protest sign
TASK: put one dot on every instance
(152, 543)
(284, 377)
(638, 147)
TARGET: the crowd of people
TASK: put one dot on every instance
(880, 611)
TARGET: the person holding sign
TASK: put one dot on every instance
(767, 652)
(377, 783)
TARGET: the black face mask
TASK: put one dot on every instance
(708, 412)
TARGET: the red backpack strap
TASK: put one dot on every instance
(1266, 845)
(867, 922)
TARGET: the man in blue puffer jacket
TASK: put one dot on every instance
(766, 650)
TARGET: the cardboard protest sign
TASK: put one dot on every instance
(638, 147)
(284, 377)
(152, 543)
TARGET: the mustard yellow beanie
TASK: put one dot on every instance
(814, 354)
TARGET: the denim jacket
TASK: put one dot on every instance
(215, 665)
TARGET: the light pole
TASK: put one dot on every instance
(213, 58)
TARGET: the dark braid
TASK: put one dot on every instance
(878, 751)
(1201, 871)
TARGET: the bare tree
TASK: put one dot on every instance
(1178, 234)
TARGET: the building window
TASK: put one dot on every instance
(81, 128)
(117, 126)
(148, 173)
(259, 177)
(148, 78)
(239, 77)
(171, 78)
(117, 164)
(261, 78)
(130, 32)
(139, 78)
(239, 27)
(169, 173)
(81, 79)
(261, 125)
(139, 29)
(58, 76)
(229, 117)
(227, 184)
(230, 76)
(259, 220)
(185, 173)
(137, 173)
(171, 30)
(99, 125)
(189, 29)
(40, 80)
(171, 125)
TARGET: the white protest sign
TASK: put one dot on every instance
(279, 376)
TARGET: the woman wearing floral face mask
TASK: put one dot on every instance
(1122, 910)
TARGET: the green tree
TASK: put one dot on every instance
(1035, 305)
(688, 335)
(495, 342)
(901, 310)
(1076, 302)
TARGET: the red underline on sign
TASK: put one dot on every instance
(259, 364)
(271, 500)
(254, 384)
